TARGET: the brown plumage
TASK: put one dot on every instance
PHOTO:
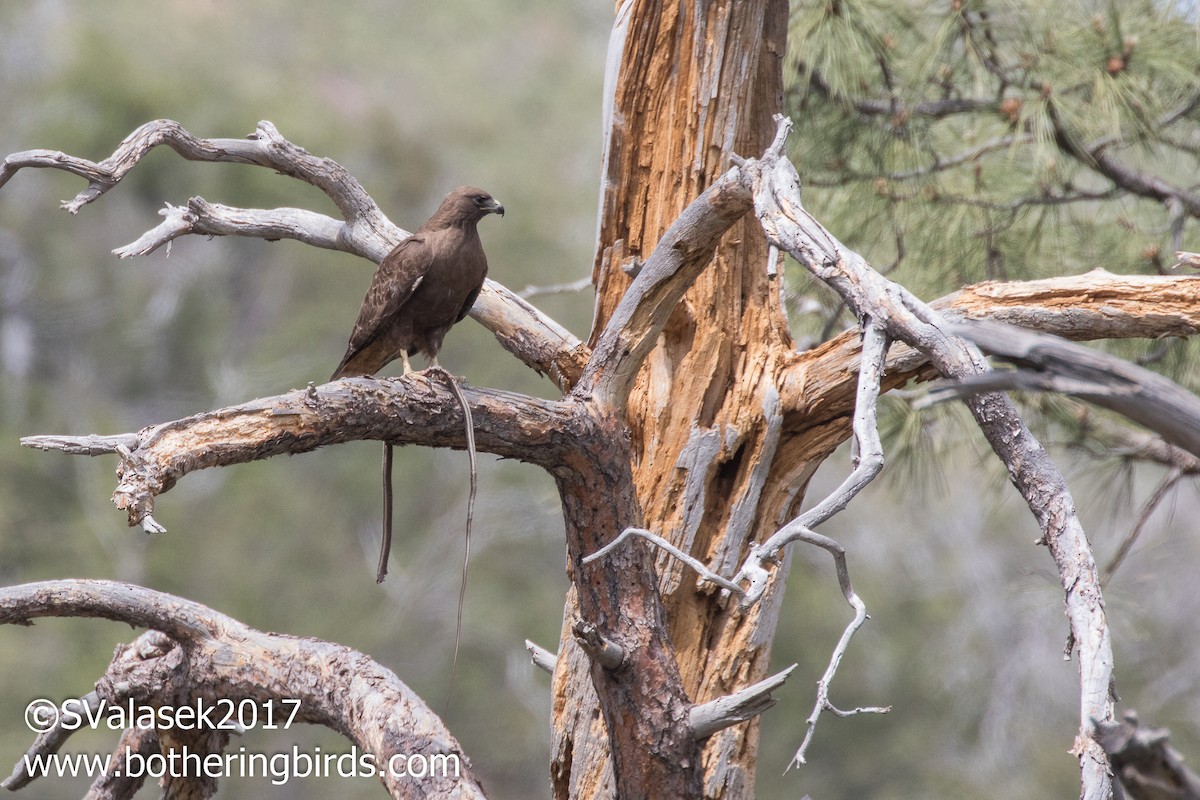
(420, 289)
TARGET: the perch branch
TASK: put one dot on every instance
(538, 341)
(410, 410)
(776, 188)
(708, 718)
(207, 655)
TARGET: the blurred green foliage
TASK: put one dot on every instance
(415, 98)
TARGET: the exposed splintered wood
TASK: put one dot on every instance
(715, 357)
(1094, 305)
(195, 654)
(693, 424)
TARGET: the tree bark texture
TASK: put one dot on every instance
(690, 85)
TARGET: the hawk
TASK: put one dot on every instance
(422, 287)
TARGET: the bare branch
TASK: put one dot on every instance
(868, 461)
(409, 410)
(1102, 305)
(50, 740)
(265, 148)
(1160, 494)
(1125, 441)
(542, 658)
(708, 718)
(90, 445)
(212, 219)
(1149, 768)
(938, 164)
(1097, 156)
(570, 287)
(823, 704)
(1052, 364)
(337, 687)
(705, 573)
(537, 340)
(905, 318)
(893, 107)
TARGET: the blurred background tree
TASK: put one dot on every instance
(415, 98)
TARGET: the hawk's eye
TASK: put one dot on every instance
(480, 199)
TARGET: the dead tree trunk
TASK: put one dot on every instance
(691, 85)
(691, 416)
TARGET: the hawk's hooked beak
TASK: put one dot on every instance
(494, 208)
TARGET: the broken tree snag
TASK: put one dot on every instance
(672, 122)
(409, 410)
(905, 318)
(538, 341)
(742, 705)
(194, 654)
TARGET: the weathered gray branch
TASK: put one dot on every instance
(540, 342)
(204, 654)
(540, 657)
(705, 573)
(868, 461)
(776, 187)
(708, 718)
(1051, 364)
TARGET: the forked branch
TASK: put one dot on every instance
(536, 339)
(203, 656)
(789, 226)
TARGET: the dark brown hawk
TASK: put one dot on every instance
(420, 289)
